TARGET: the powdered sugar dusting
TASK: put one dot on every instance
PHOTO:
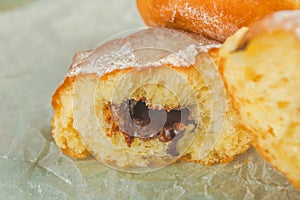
(197, 14)
(98, 65)
(283, 20)
(165, 11)
(207, 22)
(149, 47)
(185, 57)
(288, 20)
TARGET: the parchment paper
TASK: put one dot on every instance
(37, 43)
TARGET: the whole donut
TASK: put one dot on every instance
(216, 19)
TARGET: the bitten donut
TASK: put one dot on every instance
(216, 19)
(137, 107)
(261, 68)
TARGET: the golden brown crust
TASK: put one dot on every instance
(57, 104)
(225, 160)
(216, 19)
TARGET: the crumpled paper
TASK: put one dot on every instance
(37, 43)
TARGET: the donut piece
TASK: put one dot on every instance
(261, 68)
(112, 91)
(216, 19)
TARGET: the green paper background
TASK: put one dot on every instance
(37, 43)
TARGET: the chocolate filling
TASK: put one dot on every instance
(136, 120)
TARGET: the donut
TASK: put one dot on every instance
(142, 101)
(214, 19)
(261, 69)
